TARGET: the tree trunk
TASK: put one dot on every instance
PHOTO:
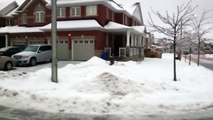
(198, 55)
(175, 79)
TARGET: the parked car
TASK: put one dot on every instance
(9, 51)
(6, 63)
(33, 54)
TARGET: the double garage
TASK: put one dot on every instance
(77, 49)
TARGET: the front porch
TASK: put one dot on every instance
(125, 43)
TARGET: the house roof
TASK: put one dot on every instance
(6, 6)
(18, 29)
(27, 3)
(116, 27)
(75, 25)
(113, 26)
(109, 3)
(5, 3)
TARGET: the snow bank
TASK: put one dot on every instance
(95, 87)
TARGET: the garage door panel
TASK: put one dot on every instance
(83, 49)
(63, 52)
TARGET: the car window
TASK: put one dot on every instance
(14, 50)
(45, 48)
(31, 48)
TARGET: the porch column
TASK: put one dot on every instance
(128, 38)
(107, 40)
(6, 40)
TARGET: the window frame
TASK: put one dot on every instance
(91, 10)
(61, 12)
(23, 18)
(39, 13)
(77, 11)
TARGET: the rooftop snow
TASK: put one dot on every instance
(116, 26)
(113, 26)
(75, 25)
(17, 29)
(5, 3)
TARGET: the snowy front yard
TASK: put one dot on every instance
(94, 87)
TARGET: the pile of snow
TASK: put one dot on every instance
(210, 56)
(95, 87)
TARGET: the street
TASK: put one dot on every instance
(206, 62)
(17, 114)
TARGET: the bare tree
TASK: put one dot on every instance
(201, 26)
(173, 24)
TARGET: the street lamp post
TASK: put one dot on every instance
(54, 43)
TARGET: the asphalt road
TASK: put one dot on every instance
(18, 114)
(206, 62)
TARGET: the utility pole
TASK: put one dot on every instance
(54, 43)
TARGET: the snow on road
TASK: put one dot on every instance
(94, 87)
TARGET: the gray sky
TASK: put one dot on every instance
(170, 5)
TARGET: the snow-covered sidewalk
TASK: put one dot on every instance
(94, 87)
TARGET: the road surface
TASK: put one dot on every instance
(18, 114)
(206, 62)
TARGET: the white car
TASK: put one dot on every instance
(34, 54)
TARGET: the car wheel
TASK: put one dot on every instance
(33, 61)
(8, 66)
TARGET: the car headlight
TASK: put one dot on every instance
(25, 57)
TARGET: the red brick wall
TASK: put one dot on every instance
(30, 14)
(100, 37)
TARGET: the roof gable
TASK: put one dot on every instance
(27, 3)
(138, 12)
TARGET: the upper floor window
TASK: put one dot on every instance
(113, 16)
(91, 10)
(8, 22)
(125, 20)
(39, 13)
(23, 18)
(75, 11)
(61, 12)
(107, 12)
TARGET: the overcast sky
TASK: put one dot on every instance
(170, 5)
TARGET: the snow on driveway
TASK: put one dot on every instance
(95, 87)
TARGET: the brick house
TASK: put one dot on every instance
(85, 28)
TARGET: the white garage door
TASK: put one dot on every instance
(83, 49)
(63, 53)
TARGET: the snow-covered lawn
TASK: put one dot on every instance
(94, 87)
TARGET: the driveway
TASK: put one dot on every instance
(44, 65)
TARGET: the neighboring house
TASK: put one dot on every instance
(7, 10)
(85, 28)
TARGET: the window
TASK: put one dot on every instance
(8, 22)
(24, 18)
(39, 13)
(75, 11)
(107, 12)
(61, 12)
(91, 10)
(113, 16)
(125, 19)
